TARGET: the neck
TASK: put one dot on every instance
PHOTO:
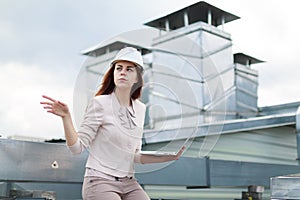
(123, 97)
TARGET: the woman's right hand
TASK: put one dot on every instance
(55, 107)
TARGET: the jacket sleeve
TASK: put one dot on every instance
(88, 130)
(137, 155)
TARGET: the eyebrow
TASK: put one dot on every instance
(128, 66)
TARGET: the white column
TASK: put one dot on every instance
(167, 25)
(248, 63)
(209, 17)
(186, 18)
(223, 22)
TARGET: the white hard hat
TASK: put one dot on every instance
(129, 54)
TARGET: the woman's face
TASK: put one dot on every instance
(125, 74)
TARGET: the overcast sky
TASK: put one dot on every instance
(41, 41)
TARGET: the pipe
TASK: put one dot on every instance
(298, 134)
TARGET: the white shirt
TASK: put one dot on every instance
(113, 135)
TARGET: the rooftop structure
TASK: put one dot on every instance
(184, 17)
(194, 85)
(216, 100)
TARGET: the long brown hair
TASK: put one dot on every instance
(108, 83)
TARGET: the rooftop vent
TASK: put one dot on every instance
(200, 11)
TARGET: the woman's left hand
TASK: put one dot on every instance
(178, 155)
(158, 159)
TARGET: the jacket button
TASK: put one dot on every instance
(129, 146)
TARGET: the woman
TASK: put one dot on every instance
(112, 129)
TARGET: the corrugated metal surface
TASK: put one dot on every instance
(204, 194)
(276, 145)
(272, 145)
(228, 175)
(286, 187)
(41, 166)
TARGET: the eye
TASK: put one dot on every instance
(118, 68)
(129, 69)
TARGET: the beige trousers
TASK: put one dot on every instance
(96, 188)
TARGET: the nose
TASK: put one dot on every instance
(123, 72)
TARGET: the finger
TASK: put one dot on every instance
(49, 98)
(61, 103)
(181, 150)
(46, 103)
(54, 113)
(50, 111)
(48, 107)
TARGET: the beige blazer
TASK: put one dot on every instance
(113, 135)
